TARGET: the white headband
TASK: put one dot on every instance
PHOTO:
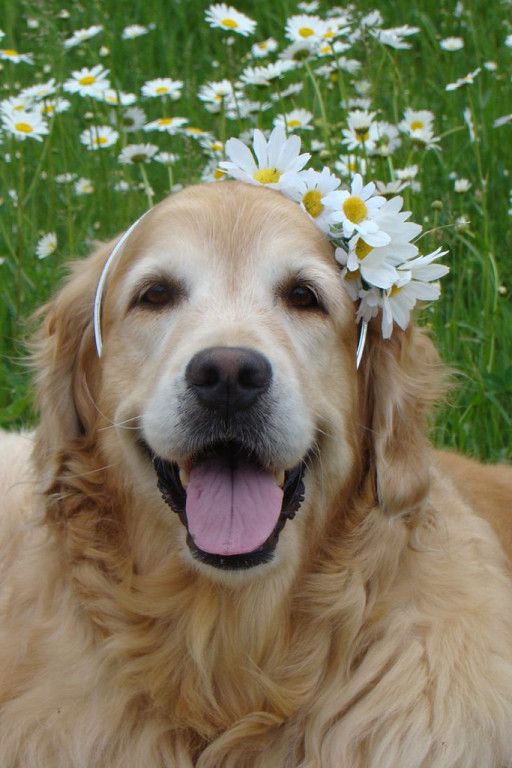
(101, 284)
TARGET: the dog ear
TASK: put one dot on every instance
(66, 365)
(401, 378)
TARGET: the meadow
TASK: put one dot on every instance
(363, 75)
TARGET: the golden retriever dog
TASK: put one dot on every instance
(224, 546)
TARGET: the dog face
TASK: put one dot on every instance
(227, 383)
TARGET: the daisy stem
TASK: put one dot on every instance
(171, 177)
(283, 107)
(325, 124)
(147, 186)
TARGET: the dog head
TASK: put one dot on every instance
(227, 390)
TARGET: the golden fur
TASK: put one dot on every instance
(381, 634)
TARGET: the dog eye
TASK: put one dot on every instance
(157, 295)
(303, 297)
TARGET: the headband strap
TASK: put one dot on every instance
(101, 283)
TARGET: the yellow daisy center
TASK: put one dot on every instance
(354, 209)
(139, 158)
(312, 202)
(306, 31)
(101, 140)
(49, 109)
(217, 146)
(161, 89)
(87, 80)
(165, 121)
(267, 175)
(263, 46)
(19, 107)
(362, 249)
(362, 134)
(193, 129)
(293, 123)
(229, 23)
(394, 290)
(416, 125)
(218, 174)
(10, 52)
(24, 127)
(352, 275)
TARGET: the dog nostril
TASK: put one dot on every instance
(255, 376)
(208, 376)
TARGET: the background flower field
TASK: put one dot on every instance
(351, 81)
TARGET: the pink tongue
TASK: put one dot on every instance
(231, 510)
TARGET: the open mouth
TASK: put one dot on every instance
(232, 507)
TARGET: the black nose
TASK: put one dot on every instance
(228, 378)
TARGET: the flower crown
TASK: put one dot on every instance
(381, 268)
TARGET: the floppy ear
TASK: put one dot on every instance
(401, 377)
(64, 357)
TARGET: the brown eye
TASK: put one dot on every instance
(302, 297)
(157, 295)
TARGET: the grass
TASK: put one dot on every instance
(472, 324)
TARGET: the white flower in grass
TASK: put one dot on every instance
(222, 16)
(121, 186)
(39, 91)
(166, 158)
(372, 19)
(393, 37)
(452, 43)
(82, 34)
(297, 119)
(355, 211)
(502, 121)
(415, 121)
(88, 81)
(462, 185)
(310, 7)
(99, 137)
(388, 139)
(134, 30)
(508, 41)
(361, 132)
(46, 245)
(291, 90)
(10, 54)
(300, 50)
(278, 160)
(262, 49)
(265, 74)
(83, 186)
(194, 132)
(163, 86)
(24, 125)
(2, 34)
(50, 107)
(309, 190)
(133, 119)
(115, 98)
(390, 188)
(348, 165)
(166, 124)
(65, 178)
(468, 79)
(305, 27)
(408, 173)
(19, 103)
(133, 154)
(213, 146)
(212, 172)
(216, 92)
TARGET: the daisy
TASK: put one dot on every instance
(82, 34)
(291, 90)
(310, 7)
(194, 132)
(212, 146)
(310, 188)
(133, 154)
(468, 79)
(24, 124)
(262, 49)
(163, 86)
(394, 36)
(65, 178)
(99, 137)
(39, 91)
(9, 54)
(166, 124)
(46, 245)
(133, 119)
(115, 98)
(265, 74)
(166, 158)
(222, 16)
(390, 188)
(416, 120)
(278, 160)
(297, 119)
(51, 107)
(19, 103)
(452, 43)
(212, 172)
(502, 121)
(348, 165)
(215, 92)
(87, 82)
(305, 27)
(388, 139)
(361, 131)
(133, 30)
(508, 41)
(462, 185)
(299, 51)
(373, 268)
(121, 186)
(83, 187)
(355, 211)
